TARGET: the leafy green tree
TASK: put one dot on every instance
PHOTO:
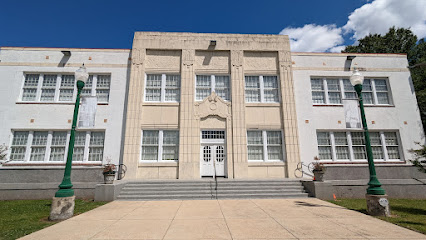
(400, 40)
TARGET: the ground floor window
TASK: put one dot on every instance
(350, 146)
(52, 146)
(265, 146)
(160, 145)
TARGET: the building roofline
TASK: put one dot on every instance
(65, 49)
(347, 54)
(209, 34)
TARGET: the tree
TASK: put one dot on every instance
(400, 40)
(419, 157)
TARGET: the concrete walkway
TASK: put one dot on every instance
(306, 218)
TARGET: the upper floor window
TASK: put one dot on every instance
(162, 88)
(333, 90)
(98, 85)
(45, 87)
(264, 146)
(351, 146)
(51, 146)
(160, 145)
(261, 89)
(206, 84)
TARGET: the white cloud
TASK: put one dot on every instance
(375, 17)
(314, 38)
(380, 15)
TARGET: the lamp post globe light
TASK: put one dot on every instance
(63, 202)
(376, 199)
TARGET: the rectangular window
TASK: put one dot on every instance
(160, 145)
(51, 146)
(264, 146)
(261, 89)
(206, 84)
(96, 146)
(103, 83)
(350, 146)
(162, 88)
(333, 90)
(66, 91)
(29, 91)
(57, 147)
(79, 146)
(324, 145)
(19, 146)
(46, 87)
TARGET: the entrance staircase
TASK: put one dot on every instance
(211, 189)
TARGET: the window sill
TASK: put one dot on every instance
(158, 164)
(46, 164)
(356, 162)
(57, 103)
(341, 105)
(263, 104)
(265, 164)
(160, 104)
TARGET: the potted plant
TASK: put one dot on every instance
(318, 170)
(109, 173)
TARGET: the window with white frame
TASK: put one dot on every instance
(350, 146)
(51, 146)
(261, 89)
(162, 88)
(330, 90)
(160, 145)
(206, 84)
(47, 87)
(264, 146)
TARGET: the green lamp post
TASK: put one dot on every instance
(65, 188)
(374, 186)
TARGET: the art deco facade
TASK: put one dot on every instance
(187, 106)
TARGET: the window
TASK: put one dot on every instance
(162, 88)
(261, 89)
(160, 145)
(206, 84)
(264, 146)
(99, 86)
(333, 90)
(46, 87)
(350, 146)
(51, 146)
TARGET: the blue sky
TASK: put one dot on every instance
(111, 24)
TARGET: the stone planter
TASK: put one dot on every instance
(319, 175)
(109, 178)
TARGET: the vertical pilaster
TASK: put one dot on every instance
(189, 142)
(289, 117)
(239, 138)
(132, 139)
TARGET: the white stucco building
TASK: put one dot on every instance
(36, 110)
(188, 106)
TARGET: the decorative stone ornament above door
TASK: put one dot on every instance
(213, 105)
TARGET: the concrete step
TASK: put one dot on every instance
(195, 188)
(211, 189)
(212, 196)
(188, 192)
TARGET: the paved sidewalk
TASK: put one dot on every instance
(306, 218)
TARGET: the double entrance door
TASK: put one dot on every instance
(213, 154)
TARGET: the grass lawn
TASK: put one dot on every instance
(408, 213)
(22, 217)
